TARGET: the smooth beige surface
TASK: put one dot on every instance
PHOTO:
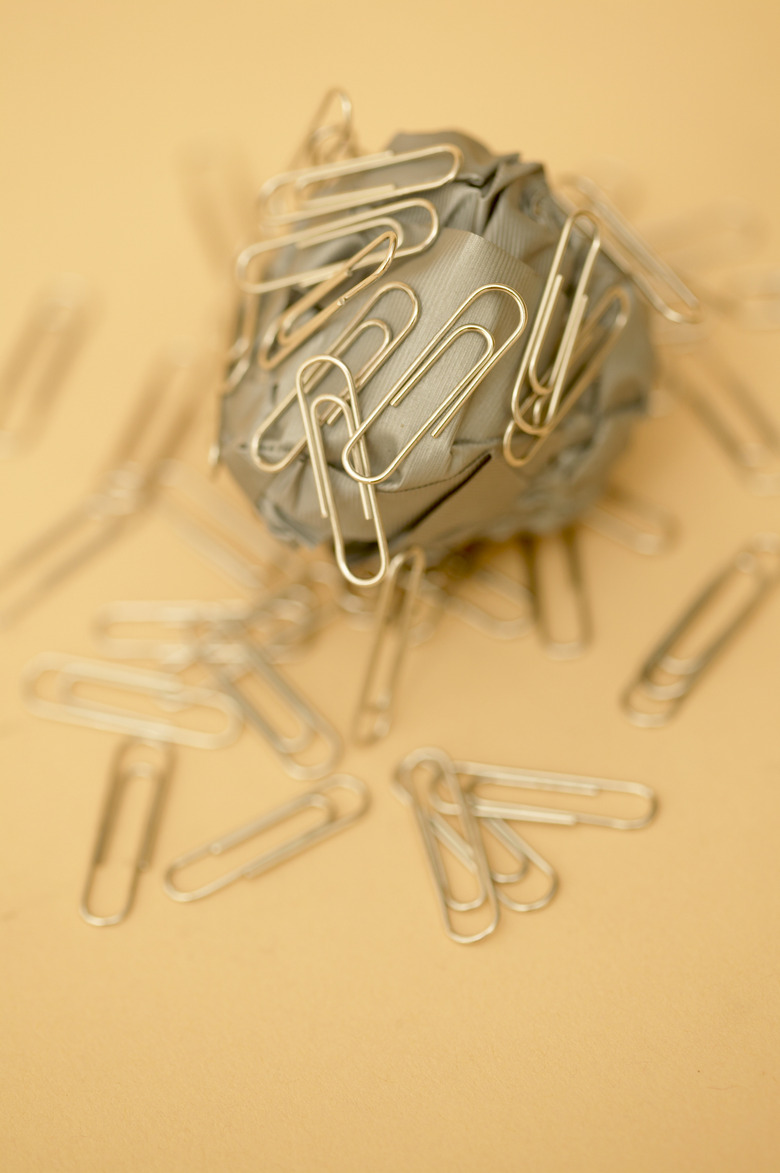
(318, 1019)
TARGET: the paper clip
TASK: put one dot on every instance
(227, 537)
(455, 399)
(550, 386)
(478, 775)
(294, 185)
(481, 608)
(733, 416)
(658, 283)
(631, 522)
(284, 335)
(123, 489)
(350, 335)
(310, 724)
(587, 359)
(40, 360)
(531, 547)
(322, 473)
(326, 141)
(392, 621)
(374, 220)
(668, 676)
(430, 832)
(319, 799)
(129, 763)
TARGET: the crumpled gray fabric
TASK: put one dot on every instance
(499, 224)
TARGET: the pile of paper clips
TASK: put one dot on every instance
(189, 673)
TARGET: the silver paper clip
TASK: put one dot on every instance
(457, 397)
(392, 621)
(485, 901)
(484, 596)
(631, 522)
(158, 689)
(134, 759)
(311, 725)
(319, 799)
(575, 591)
(124, 488)
(658, 283)
(669, 674)
(40, 360)
(359, 325)
(294, 188)
(331, 133)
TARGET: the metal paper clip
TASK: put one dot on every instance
(668, 676)
(478, 775)
(386, 218)
(658, 283)
(631, 522)
(455, 399)
(227, 537)
(121, 491)
(350, 335)
(310, 724)
(392, 621)
(40, 360)
(481, 607)
(285, 335)
(159, 688)
(323, 479)
(550, 386)
(557, 648)
(329, 137)
(586, 360)
(405, 787)
(293, 186)
(134, 759)
(734, 418)
(319, 799)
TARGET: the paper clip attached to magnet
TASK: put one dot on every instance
(658, 283)
(134, 759)
(455, 399)
(350, 336)
(319, 799)
(40, 360)
(392, 624)
(294, 188)
(670, 673)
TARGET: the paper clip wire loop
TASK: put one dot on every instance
(126, 766)
(317, 799)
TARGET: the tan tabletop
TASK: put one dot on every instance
(318, 1018)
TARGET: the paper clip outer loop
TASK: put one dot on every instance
(121, 774)
(456, 398)
(341, 200)
(317, 798)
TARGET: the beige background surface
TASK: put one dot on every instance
(318, 1018)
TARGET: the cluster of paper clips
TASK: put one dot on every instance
(467, 815)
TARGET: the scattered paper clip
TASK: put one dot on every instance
(319, 799)
(485, 902)
(290, 188)
(392, 623)
(160, 689)
(123, 489)
(668, 675)
(632, 522)
(457, 397)
(134, 759)
(40, 360)
(533, 549)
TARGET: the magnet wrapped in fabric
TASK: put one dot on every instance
(488, 397)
